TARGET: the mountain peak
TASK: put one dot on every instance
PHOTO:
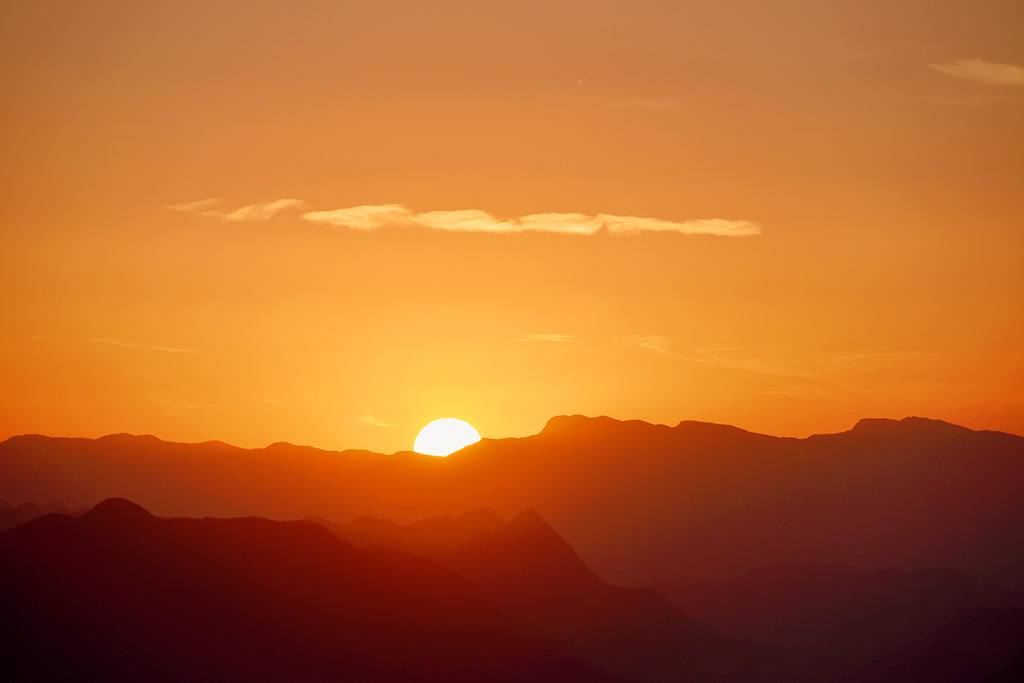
(118, 510)
(919, 426)
(529, 517)
(562, 423)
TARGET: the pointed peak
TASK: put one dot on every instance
(530, 519)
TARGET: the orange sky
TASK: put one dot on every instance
(781, 215)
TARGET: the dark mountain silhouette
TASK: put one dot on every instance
(829, 611)
(528, 570)
(641, 503)
(121, 595)
(11, 516)
(1011, 673)
(976, 645)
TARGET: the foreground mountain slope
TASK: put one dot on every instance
(829, 611)
(119, 594)
(527, 569)
(641, 503)
(975, 646)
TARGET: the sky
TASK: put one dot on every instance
(330, 223)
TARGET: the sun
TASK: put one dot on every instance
(445, 436)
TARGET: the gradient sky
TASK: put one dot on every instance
(331, 222)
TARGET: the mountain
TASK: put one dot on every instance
(1013, 672)
(11, 516)
(975, 646)
(812, 610)
(119, 594)
(530, 571)
(641, 503)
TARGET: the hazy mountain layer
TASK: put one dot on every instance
(829, 611)
(530, 571)
(641, 503)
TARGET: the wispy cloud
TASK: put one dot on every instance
(368, 217)
(546, 337)
(176, 403)
(373, 421)
(979, 70)
(377, 216)
(266, 210)
(148, 347)
(477, 221)
(254, 212)
(647, 342)
(195, 207)
(805, 364)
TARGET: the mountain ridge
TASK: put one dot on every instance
(554, 424)
(641, 503)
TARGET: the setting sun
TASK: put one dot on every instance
(445, 436)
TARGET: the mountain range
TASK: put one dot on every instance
(836, 613)
(527, 569)
(118, 594)
(641, 503)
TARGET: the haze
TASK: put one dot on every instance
(330, 223)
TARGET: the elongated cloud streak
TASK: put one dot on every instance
(373, 421)
(148, 347)
(549, 337)
(254, 212)
(474, 220)
(984, 72)
(265, 211)
(362, 217)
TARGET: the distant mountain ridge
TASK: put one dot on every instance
(11, 517)
(641, 503)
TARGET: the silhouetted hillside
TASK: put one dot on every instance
(974, 646)
(11, 517)
(819, 611)
(1011, 673)
(527, 569)
(641, 503)
(121, 595)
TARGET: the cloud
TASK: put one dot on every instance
(808, 364)
(266, 210)
(981, 71)
(253, 212)
(362, 217)
(175, 403)
(555, 338)
(647, 342)
(148, 347)
(477, 221)
(377, 216)
(194, 207)
(372, 421)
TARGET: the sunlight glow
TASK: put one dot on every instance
(444, 436)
